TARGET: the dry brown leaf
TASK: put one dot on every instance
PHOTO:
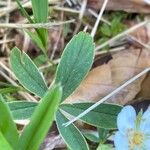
(104, 79)
(52, 142)
(145, 90)
(123, 5)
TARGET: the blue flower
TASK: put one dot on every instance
(134, 131)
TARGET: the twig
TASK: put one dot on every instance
(92, 12)
(70, 10)
(58, 37)
(82, 10)
(110, 50)
(67, 9)
(37, 25)
(99, 18)
(14, 6)
(56, 61)
(81, 14)
(6, 41)
(137, 26)
(107, 97)
(140, 42)
(7, 21)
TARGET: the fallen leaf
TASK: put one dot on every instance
(104, 79)
(123, 5)
(53, 141)
(107, 77)
(145, 90)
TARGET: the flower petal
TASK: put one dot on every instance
(147, 2)
(120, 141)
(145, 122)
(147, 144)
(126, 119)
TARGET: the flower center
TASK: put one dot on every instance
(137, 138)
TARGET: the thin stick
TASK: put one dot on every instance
(93, 13)
(137, 26)
(110, 51)
(6, 41)
(140, 42)
(82, 10)
(37, 25)
(7, 21)
(107, 97)
(70, 10)
(14, 6)
(67, 9)
(99, 18)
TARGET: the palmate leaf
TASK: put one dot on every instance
(42, 118)
(71, 135)
(103, 116)
(8, 129)
(27, 73)
(22, 110)
(75, 63)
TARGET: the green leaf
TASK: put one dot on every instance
(103, 116)
(105, 147)
(27, 73)
(42, 118)
(91, 136)
(40, 10)
(24, 12)
(4, 145)
(106, 30)
(75, 63)
(103, 134)
(40, 60)
(40, 16)
(117, 22)
(43, 35)
(71, 135)
(40, 13)
(22, 110)
(9, 90)
(37, 40)
(7, 127)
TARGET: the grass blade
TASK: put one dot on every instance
(41, 120)
(40, 10)
(4, 145)
(24, 12)
(7, 127)
(35, 38)
(40, 16)
(40, 13)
